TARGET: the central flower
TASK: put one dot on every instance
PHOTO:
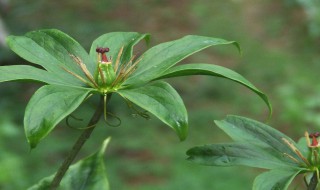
(109, 75)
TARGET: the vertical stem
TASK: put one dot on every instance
(79, 143)
(313, 182)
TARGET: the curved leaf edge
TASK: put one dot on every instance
(217, 71)
(182, 133)
(32, 140)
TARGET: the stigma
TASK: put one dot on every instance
(102, 57)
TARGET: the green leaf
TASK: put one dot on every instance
(116, 40)
(245, 130)
(213, 70)
(47, 107)
(25, 72)
(160, 99)
(277, 179)
(52, 49)
(87, 174)
(159, 58)
(230, 154)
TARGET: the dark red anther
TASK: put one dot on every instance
(103, 53)
(316, 134)
(102, 50)
(106, 49)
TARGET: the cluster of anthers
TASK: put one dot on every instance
(108, 76)
(312, 163)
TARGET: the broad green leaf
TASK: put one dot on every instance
(159, 58)
(87, 174)
(25, 72)
(212, 70)
(53, 50)
(160, 99)
(277, 179)
(245, 130)
(115, 41)
(47, 107)
(230, 154)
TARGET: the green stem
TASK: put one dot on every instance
(79, 143)
(313, 182)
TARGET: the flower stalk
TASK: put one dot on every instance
(79, 143)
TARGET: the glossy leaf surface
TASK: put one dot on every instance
(159, 58)
(230, 154)
(25, 72)
(47, 107)
(52, 49)
(242, 129)
(160, 99)
(87, 174)
(212, 70)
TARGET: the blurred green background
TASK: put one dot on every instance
(280, 42)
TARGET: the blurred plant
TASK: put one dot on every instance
(261, 146)
(312, 10)
(72, 76)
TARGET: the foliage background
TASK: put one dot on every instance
(280, 42)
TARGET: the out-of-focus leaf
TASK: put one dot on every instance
(231, 154)
(115, 41)
(159, 58)
(53, 50)
(245, 130)
(25, 72)
(86, 174)
(275, 179)
(213, 70)
(47, 107)
(160, 99)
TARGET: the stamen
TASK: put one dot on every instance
(84, 69)
(131, 69)
(118, 60)
(101, 74)
(78, 77)
(297, 151)
(292, 158)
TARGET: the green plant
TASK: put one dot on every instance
(259, 145)
(72, 76)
